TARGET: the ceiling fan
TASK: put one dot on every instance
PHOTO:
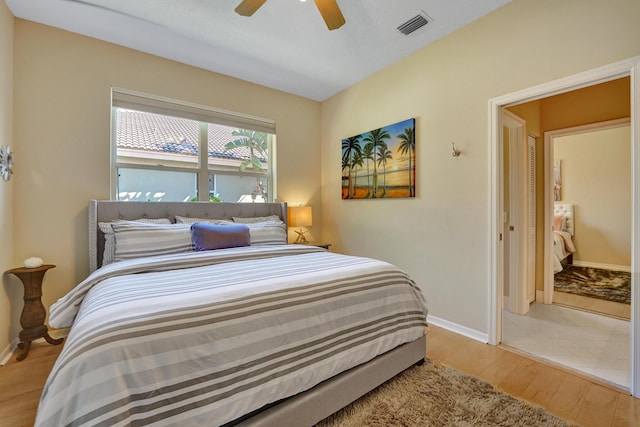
(329, 10)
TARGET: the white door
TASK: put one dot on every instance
(517, 224)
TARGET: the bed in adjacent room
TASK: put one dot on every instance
(246, 330)
(563, 231)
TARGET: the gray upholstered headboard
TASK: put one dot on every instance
(110, 210)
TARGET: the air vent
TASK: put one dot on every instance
(413, 24)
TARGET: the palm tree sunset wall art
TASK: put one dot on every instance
(380, 163)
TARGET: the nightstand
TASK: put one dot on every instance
(33, 312)
(318, 244)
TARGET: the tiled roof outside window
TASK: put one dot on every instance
(151, 132)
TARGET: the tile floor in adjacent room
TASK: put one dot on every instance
(595, 345)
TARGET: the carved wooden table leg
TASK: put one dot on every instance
(33, 312)
(24, 350)
(53, 341)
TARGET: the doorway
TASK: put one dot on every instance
(591, 199)
(591, 202)
(630, 68)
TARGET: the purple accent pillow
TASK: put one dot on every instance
(214, 236)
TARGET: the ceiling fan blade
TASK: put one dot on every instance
(249, 7)
(331, 13)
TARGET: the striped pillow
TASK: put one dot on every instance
(264, 230)
(251, 220)
(136, 240)
(192, 220)
(108, 256)
(268, 233)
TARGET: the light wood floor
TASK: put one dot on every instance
(21, 384)
(571, 397)
(593, 305)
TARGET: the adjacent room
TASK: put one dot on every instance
(351, 188)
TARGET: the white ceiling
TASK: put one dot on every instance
(285, 45)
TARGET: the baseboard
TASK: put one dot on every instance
(8, 351)
(614, 267)
(458, 329)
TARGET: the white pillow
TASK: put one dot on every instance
(108, 256)
(137, 239)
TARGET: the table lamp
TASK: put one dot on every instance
(300, 217)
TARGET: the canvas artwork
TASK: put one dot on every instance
(380, 163)
(557, 180)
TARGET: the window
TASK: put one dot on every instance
(175, 151)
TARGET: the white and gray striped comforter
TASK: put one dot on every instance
(203, 338)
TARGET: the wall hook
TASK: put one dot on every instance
(456, 152)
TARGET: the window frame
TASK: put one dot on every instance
(204, 115)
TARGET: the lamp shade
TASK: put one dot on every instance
(300, 216)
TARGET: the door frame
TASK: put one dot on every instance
(629, 67)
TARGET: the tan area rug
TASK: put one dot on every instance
(435, 395)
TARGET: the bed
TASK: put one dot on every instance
(263, 333)
(563, 232)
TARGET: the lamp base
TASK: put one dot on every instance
(301, 238)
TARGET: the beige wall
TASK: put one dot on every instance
(441, 237)
(11, 292)
(596, 178)
(62, 116)
(61, 137)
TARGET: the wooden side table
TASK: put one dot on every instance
(33, 312)
(318, 244)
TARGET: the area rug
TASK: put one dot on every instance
(435, 395)
(595, 283)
